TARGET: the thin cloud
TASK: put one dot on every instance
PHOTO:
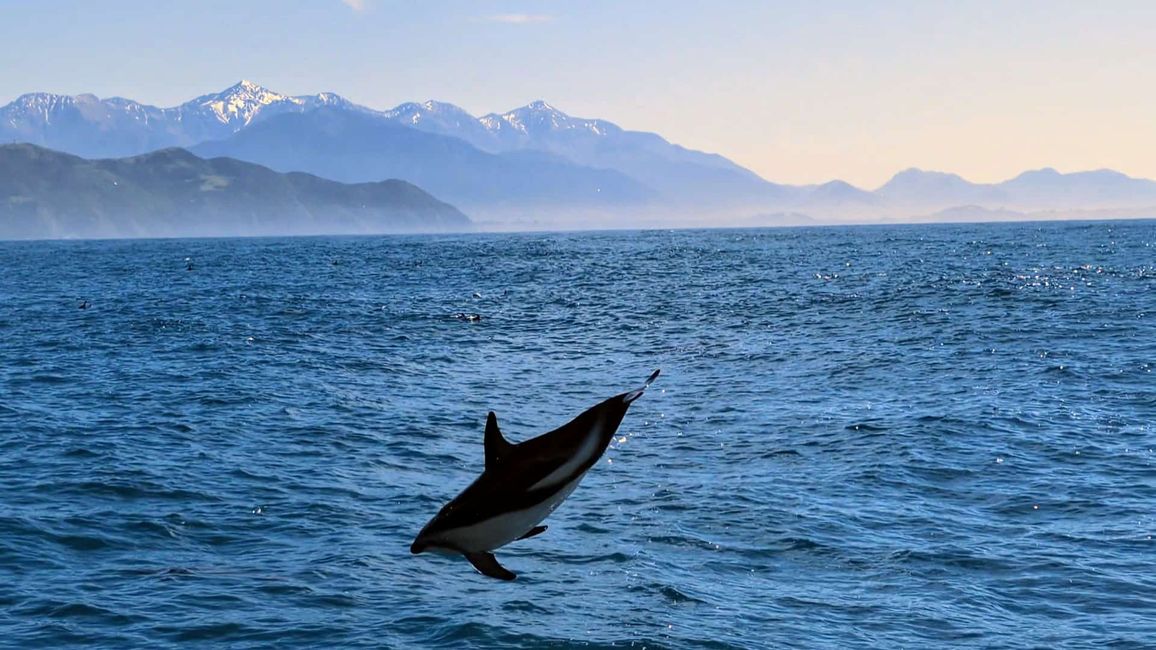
(519, 19)
(356, 5)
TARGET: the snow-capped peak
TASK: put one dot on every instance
(35, 107)
(249, 90)
(38, 100)
(491, 122)
(539, 116)
(322, 99)
(241, 102)
(430, 111)
(434, 106)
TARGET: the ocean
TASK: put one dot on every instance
(909, 436)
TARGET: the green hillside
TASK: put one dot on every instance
(172, 193)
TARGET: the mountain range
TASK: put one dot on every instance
(531, 157)
(356, 147)
(88, 126)
(533, 162)
(172, 193)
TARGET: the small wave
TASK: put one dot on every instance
(79, 610)
(81, 452)
(868, 427)
(208, 632)
(526, 606)
(81, 542)
(677, 597)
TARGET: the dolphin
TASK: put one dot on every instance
(521, 485)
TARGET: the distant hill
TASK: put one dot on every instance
(972, 214)
(918, 187)
(1033, 190)
(172, 193)
(1104, 188)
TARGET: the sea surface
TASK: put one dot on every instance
(923, 436)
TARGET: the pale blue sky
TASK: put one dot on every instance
(798, 91)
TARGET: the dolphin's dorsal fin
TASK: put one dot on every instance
(496, 446)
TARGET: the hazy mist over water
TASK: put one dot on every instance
(868, 437)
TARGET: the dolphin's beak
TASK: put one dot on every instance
(418, 546)
(636, 393)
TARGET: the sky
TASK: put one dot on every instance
(799, 92)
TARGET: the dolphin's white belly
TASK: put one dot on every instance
(495, 532)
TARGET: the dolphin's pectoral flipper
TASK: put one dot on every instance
(497, 447)
(488, 565)
(536, 530)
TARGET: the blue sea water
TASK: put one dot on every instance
(870, 437)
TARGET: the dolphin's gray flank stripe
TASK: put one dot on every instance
(588, 451)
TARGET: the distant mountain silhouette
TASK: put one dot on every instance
(352, 147)
(674, 172)
(1033, 190)
(533, 155)
(534, 165)
(1049, 189)
(840, 193)
(170, 193)
(919, 188)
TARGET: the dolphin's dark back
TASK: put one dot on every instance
(607, 415)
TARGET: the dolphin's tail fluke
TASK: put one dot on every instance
(636, 393)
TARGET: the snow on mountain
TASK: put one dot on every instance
(239, 103)
(676, 172)
(353, 147)
(92, 127)
(36, 111)
(329, 99)
(413, 114)
(28, 107)
(538, 119)
(84, 124)
(88, 126)
(443, 118)
(521, 128)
